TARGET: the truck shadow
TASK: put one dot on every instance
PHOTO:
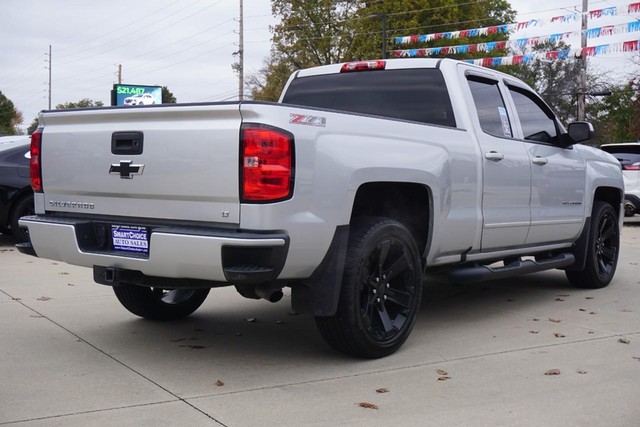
(7, 241)
(230, 330)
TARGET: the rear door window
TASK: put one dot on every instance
(418, 95)
(490, 107)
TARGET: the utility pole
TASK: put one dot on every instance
(241, 56)
(582, 84)
(49, 61)
(384, 35)
(119, 73)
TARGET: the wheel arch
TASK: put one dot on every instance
(613, 196)
(408, 203)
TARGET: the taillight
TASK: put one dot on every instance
(267, 163)
(35, 166)
(363, 66)
(631, 167)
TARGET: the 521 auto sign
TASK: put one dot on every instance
(121, 91)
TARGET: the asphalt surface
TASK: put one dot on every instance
(480, 355)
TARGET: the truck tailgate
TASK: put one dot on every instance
(184, 166)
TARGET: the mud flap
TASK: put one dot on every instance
(318, 295)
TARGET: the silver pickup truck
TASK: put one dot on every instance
(361, 179)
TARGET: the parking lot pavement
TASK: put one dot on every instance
(480, 355)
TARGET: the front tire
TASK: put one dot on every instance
(158, 303)
(603, 247)
(381, 291)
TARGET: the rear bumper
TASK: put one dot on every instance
(211, 254)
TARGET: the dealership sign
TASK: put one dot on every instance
(131, 95)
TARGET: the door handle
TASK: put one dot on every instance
(127, 143)
(494, 156)
(540, 161)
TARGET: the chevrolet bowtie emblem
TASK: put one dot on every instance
(126, 169)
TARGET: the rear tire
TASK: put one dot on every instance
(603, 247)
(381, 291)
(158, 303)
(22, 208)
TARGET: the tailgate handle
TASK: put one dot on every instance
(126, 143)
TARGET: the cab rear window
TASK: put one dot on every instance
(418, 95)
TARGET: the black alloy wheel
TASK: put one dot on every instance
(381, 291)
(603, 248)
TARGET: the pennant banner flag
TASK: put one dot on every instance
(572, 17)
(628, 46)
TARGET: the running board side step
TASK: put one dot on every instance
(479, 273)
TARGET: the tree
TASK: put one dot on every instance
(310, 33)
(10, 118)
(413, 17)
(33, 126)
(619, 120)
(167, 96)
(83, 103)
(320, 32)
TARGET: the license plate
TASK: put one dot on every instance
(130, 238)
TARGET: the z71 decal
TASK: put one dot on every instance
(302, 119)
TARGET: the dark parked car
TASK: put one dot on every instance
(16, 195)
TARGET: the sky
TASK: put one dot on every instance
(186, 45)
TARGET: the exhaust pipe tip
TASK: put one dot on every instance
(270, 294)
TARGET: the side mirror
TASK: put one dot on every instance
(580, 131)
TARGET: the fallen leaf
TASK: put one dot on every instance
(251, 319)
(444, 378)
(382, 390)
(582, 309)
(535, 320)
(16, 299)
(554, 320)
(70, 284)
(44, 298)
(219, 383)
(624, 340)
(553, 372)
(581, 372)
(534, 332)
(558, 335)
(591, 332)
(559, 299)
(592, 312)
(441, 372)
(63, 273)
(588, 297)
(626, 310)
(367, 405)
